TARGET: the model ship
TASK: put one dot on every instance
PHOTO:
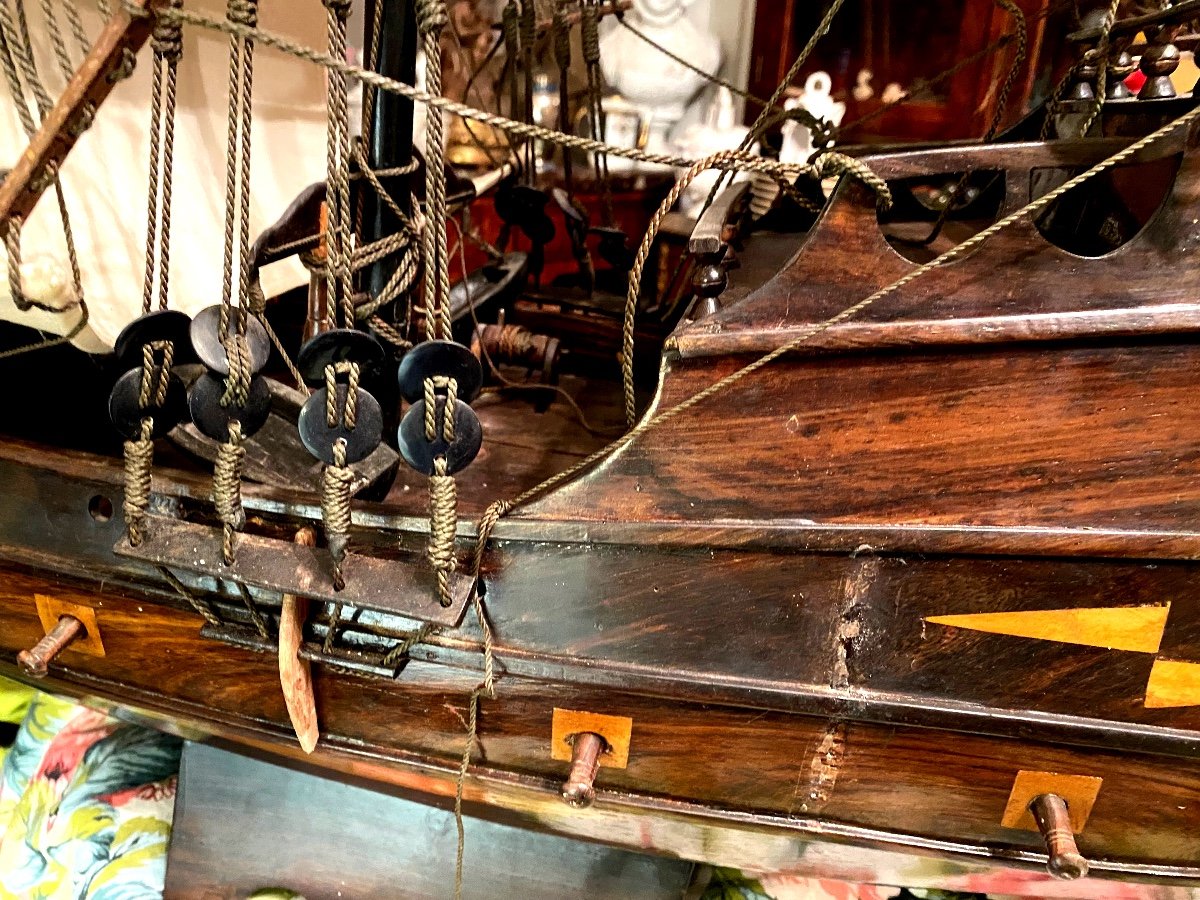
(895, 554)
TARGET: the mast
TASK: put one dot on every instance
(391, 135)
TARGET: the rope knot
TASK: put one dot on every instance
(227, 487)
(443, 527)
(156, 376)
(237, 383)
(168, 37)
(242, 12)
(589, 33)
(431, 16)
(139, 458)
(256, 299)
(830, 164)
(340, 8)
(351, 371)
(432, 386)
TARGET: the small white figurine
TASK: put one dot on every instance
(893, 93)
(719, 131)
(862, 86)
(797, 137)
(658, 86)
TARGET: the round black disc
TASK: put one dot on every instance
(160, 325)
(420, 453)
(434, 358)
(204, 402)
(127, 413)
(319, 438)
(334, 346)
(205, 332)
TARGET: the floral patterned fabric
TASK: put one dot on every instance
(85, 803)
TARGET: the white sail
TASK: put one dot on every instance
(105, 177)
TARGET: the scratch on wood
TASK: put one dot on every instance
(823, 769)
(850, 625)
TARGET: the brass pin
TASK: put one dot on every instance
(35, 662)
(578, 790)
(1064, 860)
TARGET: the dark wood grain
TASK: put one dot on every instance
(1049, 293)
(931, 784)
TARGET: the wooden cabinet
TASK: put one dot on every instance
(904, 44)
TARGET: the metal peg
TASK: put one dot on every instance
(1064, 860)
(36, 661)
(578, 790)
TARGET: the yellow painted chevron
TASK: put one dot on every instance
(1173, 683)
(1136, 628)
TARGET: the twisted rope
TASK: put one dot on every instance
(227, 488)
(237, 351)
(589, 32)
(828, 164)
(168, 47)
(432, 386)
(198, 604)
(527, 130)
(402, 648)
(256, 617)
(336, 483)
(780, 89)
(338, 237)
(443, 491)
(431, 19)
(443, 527)
(139, 459)
(156, 376)
(501, 507)
(1110, 18)
(350, 410)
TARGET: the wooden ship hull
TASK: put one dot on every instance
(871, 599)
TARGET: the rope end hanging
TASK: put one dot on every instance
(227, 488)
(139, 458)
(443, 527)
(336, 483)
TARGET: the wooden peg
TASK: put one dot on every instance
(578, 790)
(35, 662)
(295, 674)
(1054, 822)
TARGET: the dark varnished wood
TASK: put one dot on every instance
(919, 782)
(1052, 294)
(1085, 437)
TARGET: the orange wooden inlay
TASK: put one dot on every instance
(51, 609)
(1078, 791)
(1173, 683)
(1136, 628)
(616, 731)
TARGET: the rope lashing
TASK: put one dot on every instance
(156, 375)
(337, 480)
(237, 383)
(350, 412)
(443, 490)
(227, 488)
(139, 459)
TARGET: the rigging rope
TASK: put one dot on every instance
(501, 507)
(227, 475)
